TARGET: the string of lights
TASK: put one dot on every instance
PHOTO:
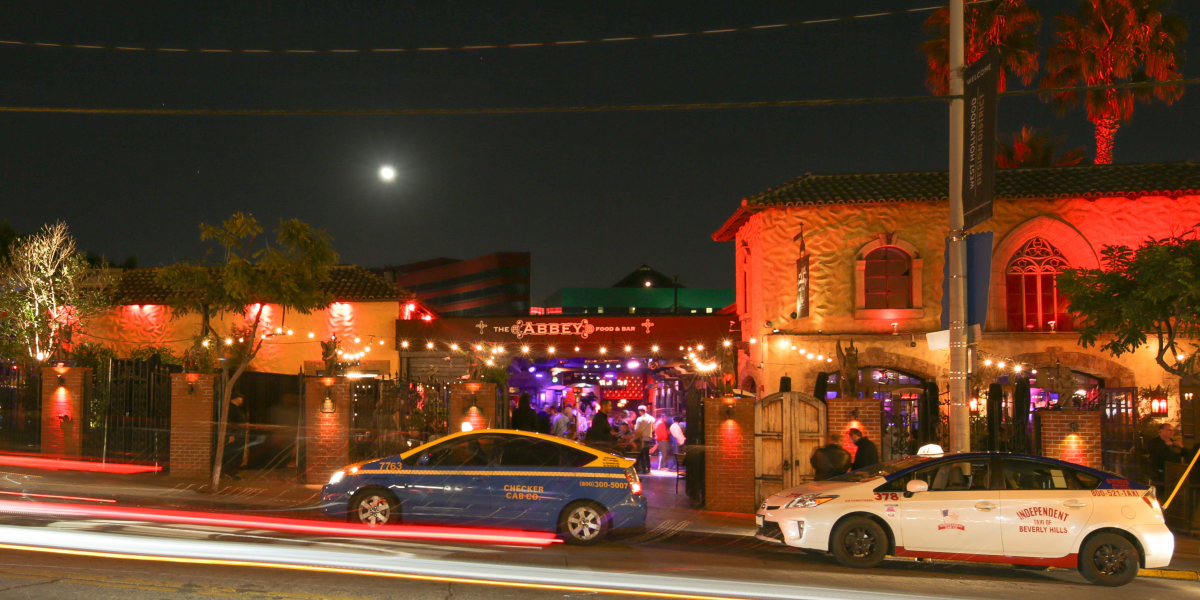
(451, 48)
(566, 109)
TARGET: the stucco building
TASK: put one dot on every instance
(824, 260)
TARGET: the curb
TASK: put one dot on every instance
(1169, 574)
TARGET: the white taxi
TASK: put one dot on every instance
(1028, 511)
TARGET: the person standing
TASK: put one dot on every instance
(662, 441)
(524, 418)
(677, 439)
(829, 461)
(643, 432)
(867, 453)
(1162, 450)
(600, 431)
(558, 422)
(235, 443)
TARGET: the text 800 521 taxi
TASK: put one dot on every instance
(501, 478)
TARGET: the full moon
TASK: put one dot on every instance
(387, 173)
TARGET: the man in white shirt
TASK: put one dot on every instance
(678, 437)
(643, 434)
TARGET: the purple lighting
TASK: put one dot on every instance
(633, 364)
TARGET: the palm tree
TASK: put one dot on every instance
(1034, 148)
(1010, 25)
(1110, 42)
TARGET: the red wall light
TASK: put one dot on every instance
(1158, 406)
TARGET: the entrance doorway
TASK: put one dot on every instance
(1120, 444)
(788, 427)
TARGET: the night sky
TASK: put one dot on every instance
(592, 196)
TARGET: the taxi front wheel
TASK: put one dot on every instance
(1108, 559)
(374, 507)
(583, 523)
(859, 542)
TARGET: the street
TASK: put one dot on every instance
(660, 561)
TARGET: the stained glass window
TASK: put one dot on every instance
(1034, 303)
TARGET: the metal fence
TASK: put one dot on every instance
(20, 408)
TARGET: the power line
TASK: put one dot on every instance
(559, 109)
(628, 38)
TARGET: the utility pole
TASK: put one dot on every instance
(960, 416)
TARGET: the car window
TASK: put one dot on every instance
(469, 451)
(1087, 481)
(574, 457)
(882, 469)
(957, 476)
(1033, 475)
(519, 451)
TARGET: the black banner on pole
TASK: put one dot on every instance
(979, 138)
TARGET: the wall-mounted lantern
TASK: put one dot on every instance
(473, 387)
(192, 378)
(974, 405)
(729, 401)
(327, 404)
(1158, 406)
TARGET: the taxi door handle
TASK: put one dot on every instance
(1074, 504)
(985, 506)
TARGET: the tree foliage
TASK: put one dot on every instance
(1033, 148)
(248, 272)
(1152, 291)
(1115, 41)
(1010, 25)
(47, 291)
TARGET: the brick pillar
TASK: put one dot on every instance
(1079, 444)
(63, 410)
(192, 424)
(326, 435)
(729, 456)
(841, 420)
(460, 399)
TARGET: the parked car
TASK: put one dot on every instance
(495, 477)
(1030, 511)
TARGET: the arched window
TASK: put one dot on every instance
(888, 278)
(1031, 281)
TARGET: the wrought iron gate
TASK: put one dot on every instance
(376, 419)
(899, 417)
(20, 408)
(135, 424)
(1120, 445)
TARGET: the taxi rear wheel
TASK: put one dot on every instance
(859, 542)
(374, 507)
(1108, 559)
(583, 523)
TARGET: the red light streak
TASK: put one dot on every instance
(74, 465)
(503, 536)
(31, 495)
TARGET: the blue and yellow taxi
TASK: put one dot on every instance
(494, 478)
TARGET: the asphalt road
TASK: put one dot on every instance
(663, 557)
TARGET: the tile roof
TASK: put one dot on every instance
(1092, 181)
(348, 283)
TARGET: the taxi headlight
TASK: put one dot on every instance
(337, 477)
(808, 501)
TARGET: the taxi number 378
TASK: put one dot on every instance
(887, 496)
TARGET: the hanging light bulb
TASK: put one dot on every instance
(429, 345)
(699, 346)
(577, 348)
(988, 362)
(290, 332)
(628, 348)
(1000, 364)
(278, 330)
(380, 342)
(820, 357)
(454, 347)
(241, 340)
(727, 343)
(753, 340)
(654, 348)
(357, 340)
(228, 342)
(490, 363)
(204, 343)
(404, 344)
(810, 356)
(550, 349)
(525, 349)
(1017, 368)
(340, 353)
(478, 347)
(311, 335)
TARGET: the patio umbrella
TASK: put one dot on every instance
(1021, 397)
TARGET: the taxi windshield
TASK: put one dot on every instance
(882, 469)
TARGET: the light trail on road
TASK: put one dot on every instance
(203, 552)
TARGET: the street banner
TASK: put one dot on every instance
(979, 138)
(979, 278)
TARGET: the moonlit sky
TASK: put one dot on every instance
(592, 196)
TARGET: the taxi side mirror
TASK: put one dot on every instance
(915, 486)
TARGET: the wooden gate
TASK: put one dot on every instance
(788, 426)
(1120, 445)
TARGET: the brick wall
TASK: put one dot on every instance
(460, 398)
(192, 425)
(729, 452)
(62, 410)
(1059, 441)
(841, 420)
(326, 435)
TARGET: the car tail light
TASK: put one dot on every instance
(635, 484)
(1152, 502)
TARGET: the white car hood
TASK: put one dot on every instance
(814, 487)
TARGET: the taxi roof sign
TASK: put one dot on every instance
(930, 450)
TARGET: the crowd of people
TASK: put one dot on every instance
(594, 423)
